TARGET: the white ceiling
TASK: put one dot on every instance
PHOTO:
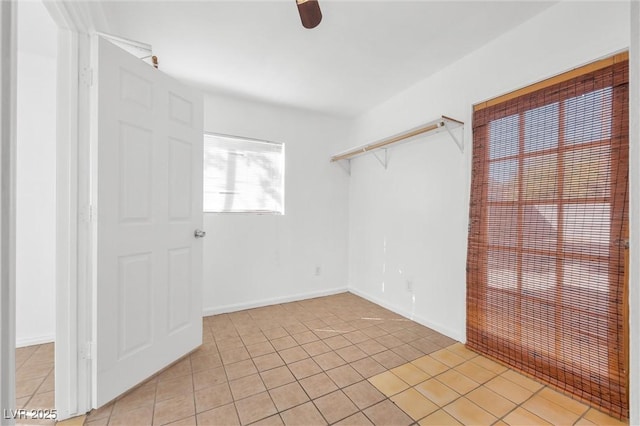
(361, 54)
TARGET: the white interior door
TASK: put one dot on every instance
(148, 201)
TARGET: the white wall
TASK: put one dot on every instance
(36, 176)
(252, 260)
(410, 222)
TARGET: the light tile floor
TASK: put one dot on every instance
(331, 360)
(35, 380)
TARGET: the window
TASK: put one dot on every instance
(546, 282)
(243, 175)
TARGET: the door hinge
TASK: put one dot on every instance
(88, 351)
(86, 76)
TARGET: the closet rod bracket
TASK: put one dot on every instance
(382, 161)
(459, 142)
(345, 165)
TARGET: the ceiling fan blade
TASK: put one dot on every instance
(310, 13)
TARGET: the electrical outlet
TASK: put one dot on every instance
(317, 271)
(409, 284)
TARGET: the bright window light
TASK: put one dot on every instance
(243, 175)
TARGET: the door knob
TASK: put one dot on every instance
(198, 233)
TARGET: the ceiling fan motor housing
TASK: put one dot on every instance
(310, 13)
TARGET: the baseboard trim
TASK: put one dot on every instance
(30, 341)
(412, 316)
(271, 301)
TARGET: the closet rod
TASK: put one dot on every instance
(429, 127)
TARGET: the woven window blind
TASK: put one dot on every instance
(546, 268)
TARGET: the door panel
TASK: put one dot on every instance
(148, 198)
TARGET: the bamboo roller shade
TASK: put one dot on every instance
(546, 282)
(560, 78)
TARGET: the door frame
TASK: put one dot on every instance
(8, 145)
(73, 348)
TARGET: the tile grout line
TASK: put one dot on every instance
(238, 321)
(44, 380)
(582, 416)
(305, 391)
(193, 387)
(261, 380)
(297, 381)
(32, 394)
(435, 377)
(464, 395)
(520, 404)
(233, 399)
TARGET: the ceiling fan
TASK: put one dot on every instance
(310, 13)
